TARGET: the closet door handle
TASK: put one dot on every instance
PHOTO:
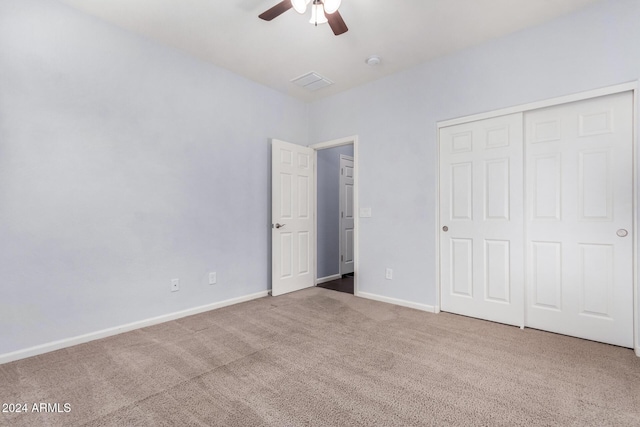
(445, 228)
(622, 232)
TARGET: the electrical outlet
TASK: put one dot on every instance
(388, 274)
(213, 278)
(175, 285)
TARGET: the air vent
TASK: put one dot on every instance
(312, 81)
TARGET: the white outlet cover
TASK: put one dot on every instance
(213, 278)
(388, 274)
(175, 285)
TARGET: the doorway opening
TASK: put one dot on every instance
(335, 215)
(342, 284)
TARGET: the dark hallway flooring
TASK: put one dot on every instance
(344, 284)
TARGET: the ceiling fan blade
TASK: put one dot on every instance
(276, 10)
(337, 23)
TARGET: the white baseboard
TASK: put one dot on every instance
(68, 342)
(638, 351)
(404, 303)
(326, 279)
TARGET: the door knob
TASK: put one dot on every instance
(445, 228)
(279, 225)
(622, 232)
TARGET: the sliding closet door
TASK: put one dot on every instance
(579, 175)
(481, 219)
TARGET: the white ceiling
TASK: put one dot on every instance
(403, 33)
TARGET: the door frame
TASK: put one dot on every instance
(609, 90)
(353, 139)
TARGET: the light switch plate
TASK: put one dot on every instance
(365, 212)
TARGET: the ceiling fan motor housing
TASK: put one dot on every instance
(322, 11)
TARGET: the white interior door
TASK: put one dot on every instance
(580, 217)
(346, 214)
(292, 210)
(481, 219)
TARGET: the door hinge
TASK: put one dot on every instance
(341, 214)
(342, 171)
(341, 258)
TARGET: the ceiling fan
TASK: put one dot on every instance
(322, 11)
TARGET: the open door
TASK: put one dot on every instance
(293, 243)
(346, 214)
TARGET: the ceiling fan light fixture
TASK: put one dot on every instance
(331, 6)
(317, 14)
(300, 6)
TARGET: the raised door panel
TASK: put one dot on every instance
(461, 267)
(286, 194)
(303, 200)
(461, 142)
(461, 195)
(596, 280)
(496, 189)
(286, 255)
(497, 283)
(595, 195)
(497, 137)
(546, 275)
(348, 211)
(545, 191)
(304, 252)
(348, 252)
(303, 240)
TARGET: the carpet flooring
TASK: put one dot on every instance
(322, 358)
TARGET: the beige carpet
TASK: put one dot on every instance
(324, 358)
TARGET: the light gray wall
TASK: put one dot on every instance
(329, 209)
(115, 174)
(395, 120)
(124, 164)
